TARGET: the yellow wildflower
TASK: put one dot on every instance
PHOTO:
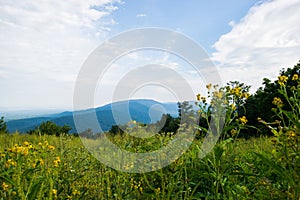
(233, 132)
(198, 97)
(50, 147)
(56, 162)
(282, 80)
(10, 162)
(291, 134)
(232, 106)
(25, 151)
(208, 86)
(5, 186)
(245, 95)
(277, 101)
(76, 192)
(295, 77)
(157, 190)
(26, 144)
(243, 120)
(54, 192)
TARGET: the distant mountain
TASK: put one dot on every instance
(141, 110)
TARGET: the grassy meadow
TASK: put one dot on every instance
(49, 167)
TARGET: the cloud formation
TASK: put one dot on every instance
(44, 43)
(263, 42)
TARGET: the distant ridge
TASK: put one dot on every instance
(141, 110)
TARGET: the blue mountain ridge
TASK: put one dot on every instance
(141, 110)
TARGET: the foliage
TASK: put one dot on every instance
(168, 124)
(260, 103)
(50, 128)
(50, 167)
(3, 128)
(226, 107)
(286, 138)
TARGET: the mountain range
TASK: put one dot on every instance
(141, 110)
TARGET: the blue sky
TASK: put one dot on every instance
(43, 44)
(204, 21)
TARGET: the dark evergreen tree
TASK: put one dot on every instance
(3, 128)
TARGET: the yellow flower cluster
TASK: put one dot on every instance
(5, 186)
(76, 192)
(233, 132)
(198, 97)
(291, 134)
(236, 91)
(277, 101)
(56, 162)
(295, 77)
(136, 185)
(50, 147)
(243, 120)
(10, 162)
(282, 80)
(24, 150)
(208, 86)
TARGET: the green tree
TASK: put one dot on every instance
(260, 103)
(50, 128)
(3, 127)
(168, 123)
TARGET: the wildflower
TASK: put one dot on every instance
(40, 144)
(295, 77)
(282, 80)
(56, 162)
(26, 144)
(233, 132)
(243, 120)
(232, 106)
(76, 192)
(5, 186)
(50, 147)
(198, 97)
(10, 162)
(291, 134)
(277, 101)
(14, 193)
(245, 95)
(25, 151)
(54, 192)
(208, 86)
(157, 190)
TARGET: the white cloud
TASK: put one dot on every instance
(264, 41)
(141, 15)
(42, 46)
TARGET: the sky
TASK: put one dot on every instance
(44, 44)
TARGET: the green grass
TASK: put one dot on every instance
(231, 171)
